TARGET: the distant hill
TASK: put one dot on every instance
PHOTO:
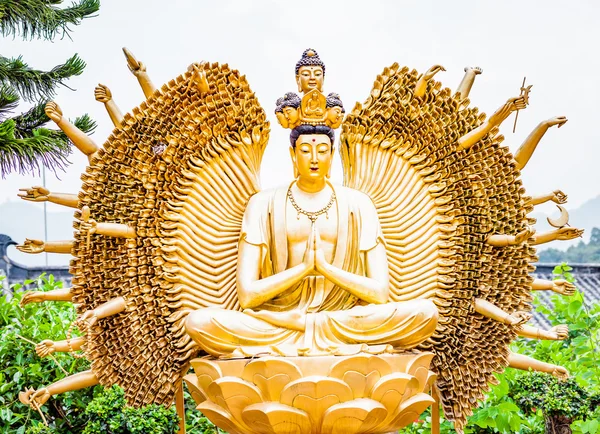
(587, 217)
(20, 220)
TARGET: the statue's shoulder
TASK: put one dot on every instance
(356, 197)
(259, 202)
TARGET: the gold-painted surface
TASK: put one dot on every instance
(330, 394)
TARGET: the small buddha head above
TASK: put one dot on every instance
(335, 110)
(312, 150)
(310, 72)
(286, 110)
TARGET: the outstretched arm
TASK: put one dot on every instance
(48, 347)
(139, 70)
(519, 361)
(492, 311)
(63, 294)
(526, 150)
(39, 246)
(557, 196)
(117, 230)
(42, 194)
(510, 240)
(421, 85)
(80, 139)
(110, 308)
(499, 116)
(560, 286)
(558, 333)
(464, 88)
(77, 381)
(563, 234)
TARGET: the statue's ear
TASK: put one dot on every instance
(298, 82)
(293, 157)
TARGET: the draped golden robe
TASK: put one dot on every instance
(334, 321)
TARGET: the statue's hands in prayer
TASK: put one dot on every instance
(513, 104)
(31, 246)
(34, 194)
(86, 321)
(309, 259)
(53, 111)
(563, 287)
(567, 233)
(558, 197)
(561, 331)
(45, 348)
(32, 297)
(102, 93)
(320, 261)
(558, 120)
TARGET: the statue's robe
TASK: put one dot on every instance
(333, 320)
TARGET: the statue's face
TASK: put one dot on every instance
(309, 78)
(335, 116)
(291, 114)
(312, 155)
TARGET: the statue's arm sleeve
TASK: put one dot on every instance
(370, 228)
(254, 222)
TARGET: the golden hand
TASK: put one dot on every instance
(558, 120)
(432, 71)
(524, 235)
(560, 373)
(89, 227)
(199, 76)
(320, 261)
(53, 111)
(567, 233)
(513, 104)
(475, 69)
(562, 332)
(45, 348)
(558, 197)
(32, 246)
(32, 297)
(102, 93)
(563, 287)
(519, 317)
(309, 260)
(39, 398)
(135, 66)
(86, 321)
(34, 194)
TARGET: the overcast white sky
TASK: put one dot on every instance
(553, 43)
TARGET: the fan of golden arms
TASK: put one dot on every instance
(314, 108)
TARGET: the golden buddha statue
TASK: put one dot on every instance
(177, 252)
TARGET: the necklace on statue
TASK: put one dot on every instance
(312, 215)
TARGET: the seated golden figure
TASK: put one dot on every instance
(312, 272)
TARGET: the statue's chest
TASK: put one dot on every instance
(298, 226)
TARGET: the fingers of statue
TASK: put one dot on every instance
(560, 372)
(53, 111)
(31, 246)
(562, 332)
(522, 317)
(31, 297)
(102, 93)
(34, 194)
(563, 287)
(44, 348)
(433, 70)
(559, 197)
(568, 233)
(39, 398)
(558, 120)
(524, 235)
(87, 320)
(90, 227)
(517, 103)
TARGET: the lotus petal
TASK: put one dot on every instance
(196, 392)
(234, 395)
(361, 373)
(271, 375)
(220, 417)
(275, 418)
(408, 412)
(206, 371)
(357, 416)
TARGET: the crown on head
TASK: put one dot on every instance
(314, 108)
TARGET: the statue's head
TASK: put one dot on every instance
(286, 110)
(312, 150)
(310, 72)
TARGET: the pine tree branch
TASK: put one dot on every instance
(33, 84)
(9, 99)
(40, 19)
(44, 147)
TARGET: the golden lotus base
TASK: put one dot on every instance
(362, 393)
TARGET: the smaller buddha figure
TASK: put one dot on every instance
(286, 110)
(335, 110)
(312, 106)
(310, 72)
